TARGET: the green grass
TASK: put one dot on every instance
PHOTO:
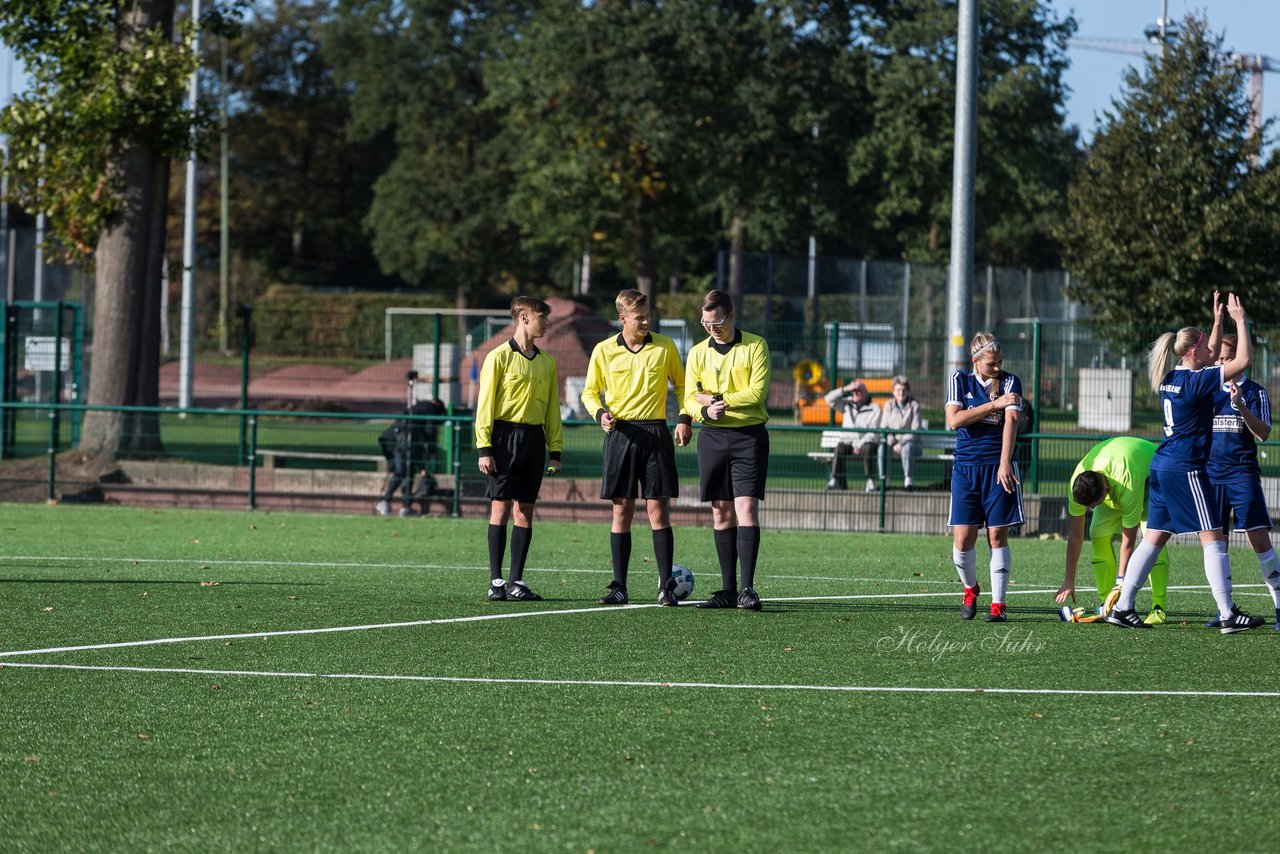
(313, 754)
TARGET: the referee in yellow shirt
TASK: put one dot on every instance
(517, 423)
(726, 383)
(626, 392)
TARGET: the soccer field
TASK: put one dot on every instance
(240, 681)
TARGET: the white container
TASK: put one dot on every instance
(1106, 400)
(424, 361)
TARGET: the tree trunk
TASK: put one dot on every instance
(737, 245)
(142, 432)
(126, 355)
(642, 236)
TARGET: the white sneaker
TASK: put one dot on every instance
(871, 485)
(382, 508)
(409, 511)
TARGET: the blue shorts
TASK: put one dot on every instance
(978, 499)
(1181, 502)
(1246, 499)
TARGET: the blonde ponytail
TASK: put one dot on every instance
(1158, 359)
(1165, 347)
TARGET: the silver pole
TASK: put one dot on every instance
(37, 272)
(224, 214)
(186, 327)
(906, 314)
(991, 292)
(5, 259)
(960, 279)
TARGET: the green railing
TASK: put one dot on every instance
(344, 441)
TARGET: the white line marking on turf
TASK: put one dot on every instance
(473, 619)
(327, 629)
(619, 683)
(447, 620)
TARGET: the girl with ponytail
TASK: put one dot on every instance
(1181, 495)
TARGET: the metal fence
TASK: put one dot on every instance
(332, 462)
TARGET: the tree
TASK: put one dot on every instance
(1169, 203)
(904, 159)
(299, 187)
(106, 106)
(595, 96)
(651, 124)
(416, 67)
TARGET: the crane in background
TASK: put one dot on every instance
(1254, 64)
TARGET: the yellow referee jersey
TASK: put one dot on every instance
(520, 390)
(632, 386)
(739, 371)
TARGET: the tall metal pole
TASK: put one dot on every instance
(960, 278)
(37, 271)
(224, 237)
(5, 259)
(186, 326)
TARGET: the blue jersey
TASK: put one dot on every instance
(1235, 453)
(980, 442)
(1186, 399)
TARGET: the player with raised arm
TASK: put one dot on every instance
(1242, 418)
(1181, 495)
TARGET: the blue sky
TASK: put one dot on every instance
(1249, 26)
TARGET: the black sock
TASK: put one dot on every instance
(497, 549)
(620, 549)
(664, 549)
(520, 540)
(748, 549)
(727, 551)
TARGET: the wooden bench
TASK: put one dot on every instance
(945, 443)
(271, 457)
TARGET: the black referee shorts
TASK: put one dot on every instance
(733, 462)
(520, 450)
(639, 453)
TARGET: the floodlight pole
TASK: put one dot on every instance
(5, 259)
(186, 325)
(960, 275)
(224, 237)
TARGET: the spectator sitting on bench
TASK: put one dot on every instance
(853, 401)
(901, 412)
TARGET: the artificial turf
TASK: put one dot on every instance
(876, 722)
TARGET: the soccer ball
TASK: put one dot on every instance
(681, 581)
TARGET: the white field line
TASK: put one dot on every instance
(474, 619)
(438, 622)
(618, 683)
(325, 630)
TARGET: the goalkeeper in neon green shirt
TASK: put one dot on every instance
(1112, 480)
